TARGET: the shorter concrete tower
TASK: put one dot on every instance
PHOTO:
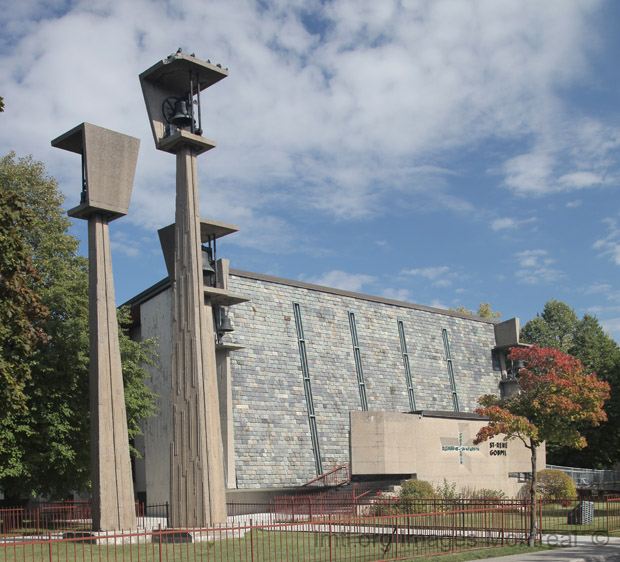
(108, 168)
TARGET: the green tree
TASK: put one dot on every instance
(45, 449)
(555, 327)
(484, 311)
(21, 308)
(559, 327)
(555, 397)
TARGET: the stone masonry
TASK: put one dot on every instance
(272, 436)
(272, 439)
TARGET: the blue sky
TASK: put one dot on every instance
(441, 152)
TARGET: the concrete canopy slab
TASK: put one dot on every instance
(171, 77)
(210, 229)
(507, 333)
(172, 143)
(109, 164)
(171, 72)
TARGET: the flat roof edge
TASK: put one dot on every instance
(164, 284)
(351, 294)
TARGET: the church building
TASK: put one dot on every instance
(311, 378)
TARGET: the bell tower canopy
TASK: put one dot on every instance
(178, 77)
(108, 168)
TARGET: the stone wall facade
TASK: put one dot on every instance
(272, 438)
(272, 433)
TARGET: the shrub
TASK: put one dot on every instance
(488, 494)
(447, 491)
(470, 493)
(555, 485)
(417, 489)
(416, 496)
(386, 506)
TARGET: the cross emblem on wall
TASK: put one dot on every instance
(462, 444)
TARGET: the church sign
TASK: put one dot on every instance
(438, 446)
(498, 449)
(460, 447)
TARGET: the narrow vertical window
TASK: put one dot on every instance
(358, 362)
(446, 345)
(408, 379)
(314, 434)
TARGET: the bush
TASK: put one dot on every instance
(555, 485)
(384, 507)
(447, 491)
(417, 489)
(488, 494)
(416, 497)
(470, 493)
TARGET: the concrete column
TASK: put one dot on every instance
(196, 473)
(224, 381)
(112, 488)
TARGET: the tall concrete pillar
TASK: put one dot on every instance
(223, 350)
(113, 499)
(216, 294)
(171, 91)
(108, 168)
(197, 479)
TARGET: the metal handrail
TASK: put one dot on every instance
(324, 477)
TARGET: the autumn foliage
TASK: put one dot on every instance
(555, 398)
(555, 395)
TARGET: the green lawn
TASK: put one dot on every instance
(554, 519)
(266, 546)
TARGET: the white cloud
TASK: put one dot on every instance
(530, 258)
(567, 155)
(598, 288)
(338, 279)
(397, 294)
(612, 327)
(610, 245)
(122, 243)
(501, 224)
(579, 180)
(334, 118)
(438, 276)
(430, 273)
(438, 304)
(530, 174)
(508, 223)
(535, 267)
(574, 204)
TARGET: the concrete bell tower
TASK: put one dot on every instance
(171, 91)
(108, 168)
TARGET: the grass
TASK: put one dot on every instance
(554, 518)
(267, 545)
(367, 540)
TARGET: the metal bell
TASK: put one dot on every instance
(225, 325)
(207, 265)
(182, 117)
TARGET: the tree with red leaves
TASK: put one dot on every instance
(554, 396)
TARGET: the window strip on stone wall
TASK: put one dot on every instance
(446, 345)
(408, 378)
(314, 434)
(358, 362)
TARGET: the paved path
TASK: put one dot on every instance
(576, 548)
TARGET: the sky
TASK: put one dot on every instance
(443, 152)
